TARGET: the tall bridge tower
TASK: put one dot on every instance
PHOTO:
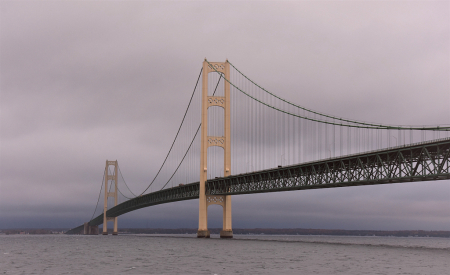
(110, 180)
(207, 141)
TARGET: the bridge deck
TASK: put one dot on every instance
(417, 162)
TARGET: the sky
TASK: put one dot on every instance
(85, 81)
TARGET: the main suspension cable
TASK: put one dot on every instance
(118, 189)
(187, 151)
(121, 175)
(362, 125)
(298, 106)
(176, 136)
(99, 194)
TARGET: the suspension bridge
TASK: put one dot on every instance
(253, 141)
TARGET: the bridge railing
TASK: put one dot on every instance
(359, 154)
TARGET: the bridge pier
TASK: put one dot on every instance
(226, 232)
(90, 230)
(203, 233)
(221, 141)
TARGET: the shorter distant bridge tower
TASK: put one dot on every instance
(110, 180)
(207, 141)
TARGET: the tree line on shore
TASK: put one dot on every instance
(253, 231)
(295, 231)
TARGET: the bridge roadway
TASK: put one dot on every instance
(426, 161)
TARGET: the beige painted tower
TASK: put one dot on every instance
(113, 179)
(206, 141)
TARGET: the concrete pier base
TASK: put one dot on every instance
(90, 230)
(228, 234)
(203, 234)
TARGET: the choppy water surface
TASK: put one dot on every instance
(248, 254)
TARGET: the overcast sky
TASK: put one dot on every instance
(82, 82)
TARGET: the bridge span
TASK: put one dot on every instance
(424, 161)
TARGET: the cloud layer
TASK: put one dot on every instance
(82, 82)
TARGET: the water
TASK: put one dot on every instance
(245, 254)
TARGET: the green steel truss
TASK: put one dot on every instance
(179, 193)
(427, 161)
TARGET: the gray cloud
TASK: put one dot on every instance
(82, 82)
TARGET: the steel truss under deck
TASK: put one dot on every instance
(419, 162)
(427, 161)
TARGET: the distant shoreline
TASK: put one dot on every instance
(251, 231)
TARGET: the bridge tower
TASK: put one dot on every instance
(109, 181)
(207, 141)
